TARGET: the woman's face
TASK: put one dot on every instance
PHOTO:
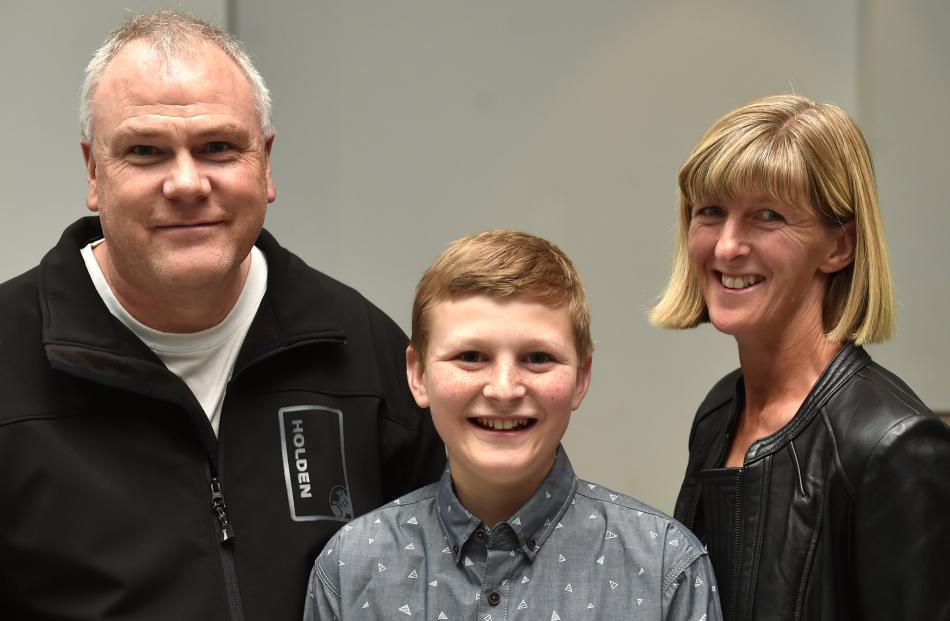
(763, 265)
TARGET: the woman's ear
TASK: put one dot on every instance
(416, 375)
(841, 252)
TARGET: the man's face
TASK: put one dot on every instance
(501, 378)
(178, 170)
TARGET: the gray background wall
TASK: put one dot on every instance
(404, 125)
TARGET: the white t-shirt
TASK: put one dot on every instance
(203, 360)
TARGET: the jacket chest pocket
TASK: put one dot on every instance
(313, 442)
(307, 455)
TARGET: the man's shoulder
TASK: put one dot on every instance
(295, 284)
(19, 291)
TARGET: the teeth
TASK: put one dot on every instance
(503, 424)
(739, 282)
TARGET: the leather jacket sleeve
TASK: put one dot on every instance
(902, 524)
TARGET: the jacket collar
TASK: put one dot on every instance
(850, 360)
(532, 524)
(295, 309)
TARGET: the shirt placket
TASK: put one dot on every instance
(497, 554)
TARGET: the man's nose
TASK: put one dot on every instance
(505, 383)
(186, 181)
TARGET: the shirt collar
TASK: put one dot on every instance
(532, 524)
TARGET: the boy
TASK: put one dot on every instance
(501, 354)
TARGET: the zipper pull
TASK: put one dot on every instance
(221, 510)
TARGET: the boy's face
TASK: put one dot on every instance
(501, 378)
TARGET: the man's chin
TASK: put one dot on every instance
(195, 276)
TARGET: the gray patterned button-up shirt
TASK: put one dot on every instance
(575, 551)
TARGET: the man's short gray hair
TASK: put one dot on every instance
(172, 34)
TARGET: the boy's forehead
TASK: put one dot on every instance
(485, 315)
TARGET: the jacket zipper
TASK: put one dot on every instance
(736, 550)
(220, 508)
(226, 536)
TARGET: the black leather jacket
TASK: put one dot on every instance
(843, 514)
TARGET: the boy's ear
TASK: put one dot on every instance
(583, 382)
(415, 373)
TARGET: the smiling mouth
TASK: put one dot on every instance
(739, 282)
(188, 225)
(503, 424)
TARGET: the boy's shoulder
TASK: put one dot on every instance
(632, 520)
(392, 511)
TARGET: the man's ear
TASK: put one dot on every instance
(92, 196)
(583, 382)
(271, 188)
(416, 374)
(841, 253)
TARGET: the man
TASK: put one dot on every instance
(501, 352)
(190, 412)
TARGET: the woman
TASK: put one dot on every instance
(818, 480)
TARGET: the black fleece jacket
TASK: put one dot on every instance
(117, 501)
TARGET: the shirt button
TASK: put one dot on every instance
(494, 598)
(532, 544)
(455, 548)
(480, 535)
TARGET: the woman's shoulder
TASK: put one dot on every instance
(872, 402)
(876, 416)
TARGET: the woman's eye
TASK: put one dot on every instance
(709, 211)
(470, 356)
(538, 357)
(770, 215)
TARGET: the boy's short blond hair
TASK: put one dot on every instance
(503, 264)
(803, 153)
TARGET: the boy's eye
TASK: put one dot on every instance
(470, 356)
(538, 357)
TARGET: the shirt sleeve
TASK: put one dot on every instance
(693, 596)
(323, 588)
(901, 524)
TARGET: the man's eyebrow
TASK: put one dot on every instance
(148, 131)
(223, 129)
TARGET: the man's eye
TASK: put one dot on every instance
(538, 357)
(470, 356)
(218, 146)
(143, 150)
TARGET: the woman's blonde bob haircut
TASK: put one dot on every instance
(798, 152)
(503, 264)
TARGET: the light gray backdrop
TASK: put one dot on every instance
(402, 125)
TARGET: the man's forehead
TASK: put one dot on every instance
(143, 85)
(145, 57)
